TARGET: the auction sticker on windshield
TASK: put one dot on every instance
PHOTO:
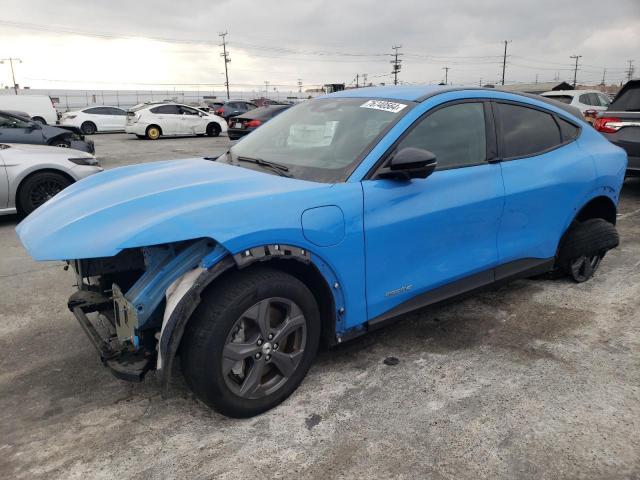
(392, 107)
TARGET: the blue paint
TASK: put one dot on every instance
(401, 236)
(323, 226)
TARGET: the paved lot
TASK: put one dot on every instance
(539, 379)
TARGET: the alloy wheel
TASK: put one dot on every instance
(583, 267)
(44, 191)
(264, 348)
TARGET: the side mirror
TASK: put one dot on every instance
(409, 163)
(35, 126)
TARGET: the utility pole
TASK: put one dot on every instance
(13, 75)
(629, 72)
(299, 85)
(357, 80)
(575, 69)
(536, 78)
(225, 55)
(504, 59)
(604, 72)
(446, 75)
(396, 63)
(364, 79)
(266, 88)
(480, 84)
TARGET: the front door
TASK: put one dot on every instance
(15, 130)
(423, 234)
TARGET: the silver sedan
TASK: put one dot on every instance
(32, 174)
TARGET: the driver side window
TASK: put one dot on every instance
(455, 134)
(12, 122)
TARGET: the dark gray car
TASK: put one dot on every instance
(15, 128)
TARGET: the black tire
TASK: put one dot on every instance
(39, 120)
(213, 129)
(213, 328)
(584, 246)
(38, 188)
(88, 128)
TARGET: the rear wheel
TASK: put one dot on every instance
(584, 246)
(251, 341)
(39, 120)
(153, 132)
(213, 129)
(88, 128)
(39, 188)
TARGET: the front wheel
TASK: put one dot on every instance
(251, 341)
(39, 188)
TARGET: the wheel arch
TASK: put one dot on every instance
(296, 261)
(600, 206)
(24, 179)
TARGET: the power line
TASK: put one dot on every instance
(225, 55)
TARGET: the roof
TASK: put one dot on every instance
(393, 92)
(571, 93)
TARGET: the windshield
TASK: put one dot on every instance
(321, 140)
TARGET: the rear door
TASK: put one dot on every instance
(422, 234)
(545, 174)
(168, 117)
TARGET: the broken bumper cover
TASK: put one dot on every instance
(124, 363)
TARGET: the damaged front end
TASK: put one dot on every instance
(123, 302)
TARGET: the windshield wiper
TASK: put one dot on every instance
(276, 167)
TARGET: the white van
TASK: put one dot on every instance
(39, 107)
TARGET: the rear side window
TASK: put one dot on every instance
(455, 134)
(116, 111)
(167, 109)
(568, 130)
(526, 131)
(98, 111)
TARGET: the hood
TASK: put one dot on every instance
(49, 132)
(162, 202)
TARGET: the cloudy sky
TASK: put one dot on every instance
(161, 43)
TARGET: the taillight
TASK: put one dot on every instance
(607, 124)
(219, 112)
(253, 124)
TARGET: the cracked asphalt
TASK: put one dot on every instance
(539, 379)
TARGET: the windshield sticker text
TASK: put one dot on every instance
(392, 107)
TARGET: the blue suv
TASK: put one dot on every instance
(335, 217)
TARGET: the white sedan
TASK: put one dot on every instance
(32, 174)
(96, 119)
(154, 120)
